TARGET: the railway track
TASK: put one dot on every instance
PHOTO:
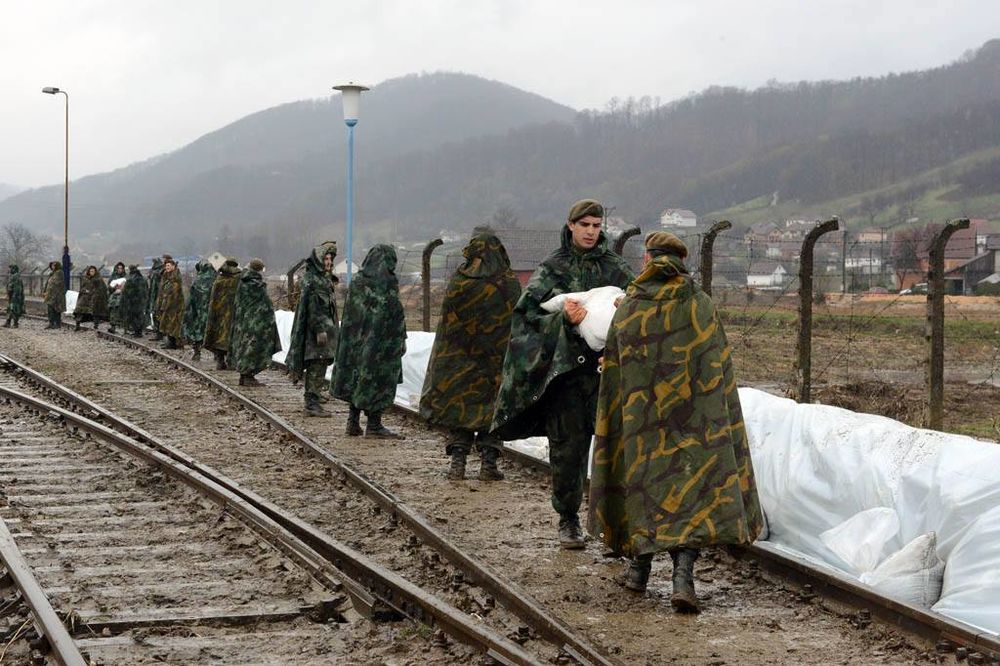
(829, 629)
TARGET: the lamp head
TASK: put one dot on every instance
(351, 95)
(49, 90)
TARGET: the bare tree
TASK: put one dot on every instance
(20, 245)
(504, 218)
(910, 250)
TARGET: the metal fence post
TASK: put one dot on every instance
(935, 323)
(623, 238)
(804, 345)
(707, 246)
(290, 283)
(425, 278)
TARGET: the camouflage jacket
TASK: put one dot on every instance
(316, 313)
(55, 289)
(463, 374)
(671, 466)
(219, 324)
(134, 296)
(196, 307)
(543, 345)
(15, 292)
(255, 332)
(155, 274)
(93, 296)
(170, 303)
(372, 335)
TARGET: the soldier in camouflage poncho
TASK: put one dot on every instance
(671, 466)
(134, 308)
(255, 332)
(196, 307)
(115, 296)
(55, 295)
(463, 374)
(15, 297)
(550, 375)
(170, 305)
(372, 343)
(92, 300)
(313, 342)
(219, 325)
(155, 275)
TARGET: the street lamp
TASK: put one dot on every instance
(48, 90)
(350, 94)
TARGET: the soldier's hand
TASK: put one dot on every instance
(618, 301)
(321, 339)
(574, 311)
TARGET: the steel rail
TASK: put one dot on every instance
(366, 582)
(505, 591)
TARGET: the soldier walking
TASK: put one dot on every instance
(196, 307)
(255, 331)
(170, 305)
(135, 311)
(671, 466)
(372, 343)
(550, 374)
(314, 330)
(15, 297)
(92, 300)
(54, 295)
(155, 275)
(463, 375)
(219, 325)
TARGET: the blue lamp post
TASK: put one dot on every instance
(65, 258)
(350, 93)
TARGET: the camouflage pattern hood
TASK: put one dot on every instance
(255, 333)
(196, 308)
(671, 465)
(219, 322)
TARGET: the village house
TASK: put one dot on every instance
(767, 274)
(678, 217)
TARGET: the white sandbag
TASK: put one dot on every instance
(600, 306)
(862, 539)
(913, 574)
(418, 355)
(118, 282)
(71, 297)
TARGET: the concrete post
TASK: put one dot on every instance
(804, 345)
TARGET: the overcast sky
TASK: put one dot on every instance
(148, 77)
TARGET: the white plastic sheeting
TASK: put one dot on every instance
(71, 297)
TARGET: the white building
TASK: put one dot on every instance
(678, 217)
(869, 265)
(767, 274)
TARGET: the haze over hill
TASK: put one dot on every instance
(7, 190)
(447, 150)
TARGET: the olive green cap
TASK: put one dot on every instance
(256, 264)
(666, 242)
(585, 207)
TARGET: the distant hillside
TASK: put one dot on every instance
(7, 191)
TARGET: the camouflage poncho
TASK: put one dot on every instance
(117, 272)
(170, 303)
(255, 332)
(15, 292)
(219, 325)
(372, 335)
(315, 313)
(543, 345)
(463, 374)
(671, 466)
(93, 297)
(196, 307)
(155, 274)
(134, 309)
(55, 289)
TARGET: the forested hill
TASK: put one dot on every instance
(8, 190)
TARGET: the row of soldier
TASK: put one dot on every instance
(671, 468)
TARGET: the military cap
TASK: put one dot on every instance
(167, 258)
(232, 261)
(325, 248)
(256, 265)
(664, 242)
(585, 207)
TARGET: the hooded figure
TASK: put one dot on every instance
(463, 374)
(116, 284)
(92, 301)
(55, 295)
(550, 374)
(117, 272)
(155, 275)
(671, 466)
(134, 302)
(170, 305)
(313, 342)
(255, 332)
(196, 308)
(219, 324)
(372, 343)
(15, 297)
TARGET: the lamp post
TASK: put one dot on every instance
(350, 94)
(48, 90)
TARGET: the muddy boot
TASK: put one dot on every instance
(111, 329)
(16, 323)
(96, 323)
(220, 360)
(376, 430)
(171, 343)
(323, 399)
(683, 599)
(196, 356)
(249, 380)
(313, 407)
(457, 470)
(157, 336)
(6, 324)
(570, 536)
(354, 422)
(77, 327)
(488, 470)
(637, 576)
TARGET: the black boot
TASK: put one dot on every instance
(684, 599)
(77, 327)
(354, 422)
(249, 380)
(570, 536)
(96, 323)
(637, 576)
(457, 470)
(488, 470)
(111, 329)
(16, 323)
(6, 324)
(376, 430)
(220, 359)
(171, 343)
(313, 407)
(196, 356)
